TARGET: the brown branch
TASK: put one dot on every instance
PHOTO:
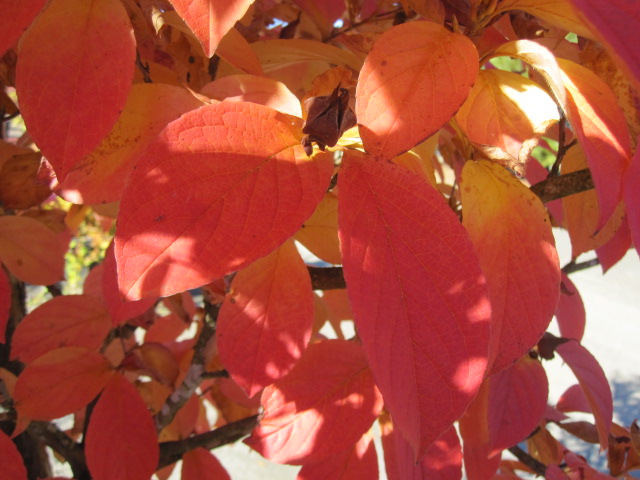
(171, 452)
(62, 444)
(538, 467)
(326, 278)
(572, 267)
(569, 184)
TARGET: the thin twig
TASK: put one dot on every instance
(535, 465)
(562, 133)
(372, 18)
(146, 77)
(572, 266)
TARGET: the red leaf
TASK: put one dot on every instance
(265, 322)
(321, 408)
(210, 21)
(511, 232)
(594, 384)
(5, 304)
(573, 400)
(65, 321)
(632, 198)
(221, 187)
(615, 249)
(570, 312)
(411, 64)
(121, 441)
(73, 76)
(516, 403)
(357, 463)
(478, 465)
(16, 17)
(417, 292)
(60, 382)
(616, 24)
(12, 463)
(39, 261)
(201, 464)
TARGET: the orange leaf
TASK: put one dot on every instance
(505, 110)
(210, 21)
(235, 49)
(249, 88)
(201, 464)
(65, 321)
(321, 408)
(5, 304)
(511, 232)
(319, 233)
(16, 17)
(265, 322)
(419, 298)
(408, 87)
(40, 260)
(12, 463)
(121, 441)
(60, 382)
(20, 187)
(100, 177)
(74, 72)
(221, 186)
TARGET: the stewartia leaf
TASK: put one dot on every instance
(40, 260)
(356, 463)
(100, 177)
(573, 400)
(16, 17)
(632, 198)
(511, 232)
(594, 384)
(60, 382)
(570, 312)
(517, 400)
(319, 233)
(412, 64)
(219, 188)
(419, 298)
(121, 441)
(201, 464)
(327, 402)
(5, 304)
(73, 76)
(265, 322)
(12, 463)
(64, 321)
(210, 21)
(505, 110)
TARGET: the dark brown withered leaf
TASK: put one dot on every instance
(328, 117)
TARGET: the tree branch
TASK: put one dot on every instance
(171, 452)
(569, 184)
(61, 443)
(572, 266)
(326, 278)
(538, 467)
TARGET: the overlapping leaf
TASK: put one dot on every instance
(511, 232)
(408, 87)
(570, 312)
(632, 198)
(556, 12)
(121, 441)
(40, 260)
(73, 76)
(61, 382)
(201, 464)
(20, 187)
(321, 408)
(419, 298)
(220, 187)
(15, 19)
(64, 321)
(210, 21)
(12, 463)
(5, 304)
(319, 233)
(265, 322)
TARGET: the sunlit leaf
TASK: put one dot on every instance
(632, 198)
(201, 464)
(511, 232)
(16, 17)
(64, 321)
(408, 87)
(321, 408)
(419, 298)
(265, 322)
(319, 233)
(573, 400)
(557, 12)
(73, 76)
(61, 382)
(236, 50)
(570, 312)
(121, 441)
(220, 187)
(12, 463)
(40, 260)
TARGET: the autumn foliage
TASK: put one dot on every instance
(421, 150)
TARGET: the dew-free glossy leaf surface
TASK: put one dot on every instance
(419, 298)
(219, 188)
(73, 76)
(321, 408)
(121, 442)
(60, 382)
(64, 321)
(511, 232)
(265, 322)
(414, 79)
